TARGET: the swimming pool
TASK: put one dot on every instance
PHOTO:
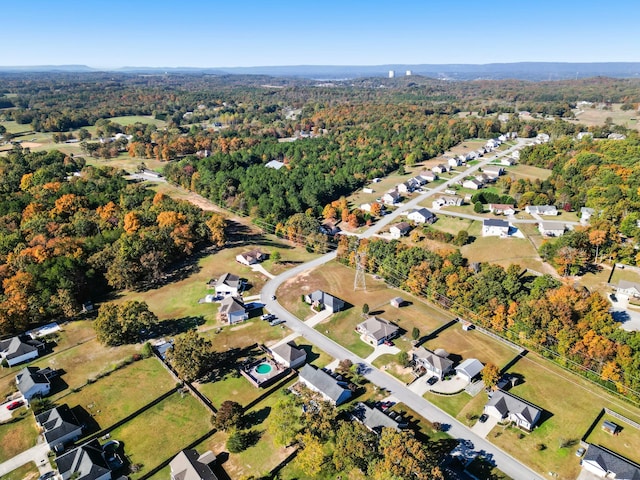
(264, 369)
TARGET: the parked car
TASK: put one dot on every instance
(14, 405)
(580, 452)
(273, 297)
(275, 322)
(268, 316)
(433, 380)
(46, 476)
(388, 343)
(483, 418)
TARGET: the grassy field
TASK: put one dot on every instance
(13, 127)
(28, 471)
(628, 274)
(121, 393)
(460, 405)
(528, 172)
(570, 403)
(625, 443)
(162, 431)
(131, 119)
(18, 435)
(596, 116)
(503, 251)
(257, 460)
(451, 225)
(390, 364)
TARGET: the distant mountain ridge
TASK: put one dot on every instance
(536, 71)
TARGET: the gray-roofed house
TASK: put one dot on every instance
(585, 214)
(493, 227)
(421, 215)
(500, 208)
(376, 331)
(473, 184)
(190, 465)
(228, 284)
(331, 389)
(33, 382)
(275, 164)
(59, 427)
(606, 464)
(470, 368)
(19, 349)
(322, 299)
(251, 257)
(289, 355)
(503, 405)
(548, 210)
(631, 289)
(493, 170)
(391, 198)
(551, 229)
(85, 462)
(374, 419)
(399, 229)
(436, 363)
(232, 310)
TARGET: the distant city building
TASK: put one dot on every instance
(409, 73)
(392, 73)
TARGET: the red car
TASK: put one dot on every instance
(14, 405)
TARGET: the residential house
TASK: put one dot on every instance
(586, 214)
(543, 137)
(391, 198)
(480, 152)
(85, 462)
(470, 368)
(630, 289)
(548, 210)
(374, 419)
(516, 154)
(251, 257)
(483, 178)
(367, 190)
(502, 138)
(329, 227)
(501, 209)
(331, 389)
(428, 176)
(440, 168)
(417, 180)
(368, 207)
(34, 382)
(473, 184)
(322, 299)
(19, 349)
(421, 215)
(376, 331)
(396, 302)
(616, 136)
(232, 310)
(190, 465)
(471, 155)
(404, 187)
(228, 284)
(606, 464)
(582, 135)
(399, 229)
(551, 229)
(492, 227)
(507, 161)
(289, 355)
(503, 405)
(446, 201)
(434, 363)
(454, 162)
(59, 427)
(275, 164)
(493, 171)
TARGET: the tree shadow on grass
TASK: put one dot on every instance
(175, 326)
(256, 417)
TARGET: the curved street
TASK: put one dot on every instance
(502, 460)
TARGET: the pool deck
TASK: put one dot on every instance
(262, 380)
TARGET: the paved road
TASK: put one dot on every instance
(37, 454)
(503, 461)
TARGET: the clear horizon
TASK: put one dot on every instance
(250, 33)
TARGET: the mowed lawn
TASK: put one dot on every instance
(18, 435)
(162, 431)
(28, 471)
(503, 251)
(471, 344)
(528, 172)
(570, 403)
(451, 225)
(626, 442)
(121, 393)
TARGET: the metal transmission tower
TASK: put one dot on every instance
(360, 281)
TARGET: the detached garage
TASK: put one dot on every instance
(469, 368)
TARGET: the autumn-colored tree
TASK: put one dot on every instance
(490, 375)
(597, 238)
(131, 222)
(217, 226)
(311, 457)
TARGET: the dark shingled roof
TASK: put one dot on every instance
(86, 460)
(610, 462)
(57, 423)
(187, 466)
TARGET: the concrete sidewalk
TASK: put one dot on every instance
(37, 454)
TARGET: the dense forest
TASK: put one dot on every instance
(69, 232)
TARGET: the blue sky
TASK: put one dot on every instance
(214, 33)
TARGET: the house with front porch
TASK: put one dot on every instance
(434, 363)
(232, 310)
(506, 406)
(376, 331)
(330, 388)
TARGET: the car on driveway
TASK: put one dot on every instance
(433, 380)
(14, 405)
(46, 476)
(483, 418)
(276, 321)
(268, 316)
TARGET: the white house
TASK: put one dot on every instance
(251, 257)
(586, 214)
(391, 198)
(630, 289)
(376, 331)
(331, 389)
(446, 201)
(33, 382)
(435, 363)
(399, 229)
(493, 170)
(454, 162)
(516, 154)
(327, 301)
(543, 137)
(582, 135)
(367, 190)
(404, 187)
(606, 464)
(501, 209)
(19, 349)
(275, 164)
(428, 176)
(548, 210)
(441, 168)
(492, 227)
(289, 355)
(228, 284)
(503, 405)
(473, 184)
(232, 310)
(551, 229)
(421, 215)
(417, 180)
(507, 162)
